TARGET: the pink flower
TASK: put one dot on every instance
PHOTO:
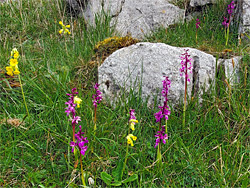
(197, 23)
(97, 96)
(186, 65)
(161, 136)
(230, 8)
(80, 142)
(164, 109)
(225, 22)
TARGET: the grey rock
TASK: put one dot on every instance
(140, 18)
(145, 65)
(246, 16)
(135, 17)
(231, 68)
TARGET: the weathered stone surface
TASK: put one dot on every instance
(195, 3)
(135, 17)
(246, 16)
(231, 68)
(145, 64)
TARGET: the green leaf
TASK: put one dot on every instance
(106, 178)
(117, 183)
(117, 173)
(131, 178)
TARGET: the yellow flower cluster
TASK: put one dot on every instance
(64, 29)
(132, 123)
(77, 101)
(130, 139)
(13, 68)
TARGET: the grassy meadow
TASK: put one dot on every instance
(213, 149)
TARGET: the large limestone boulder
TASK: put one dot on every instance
(134, 17)
(144, 65)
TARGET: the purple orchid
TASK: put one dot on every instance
(70, 103)
(186, 65)
(70, 110)
(164, 112)
(161, 136)
(132, 114)
(225, 23)
(197, 24)
(97, 96)
(80, 142)
(230, 8)
(164, 109)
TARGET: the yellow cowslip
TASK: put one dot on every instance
(130, 139)
(132, 123)
(9, 71)
(13, 62)
(13, 65)
(15, 53)
(77, 101)
(64, 29)
(16, 71)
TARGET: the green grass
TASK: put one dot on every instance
(213, 149)
(210, 34)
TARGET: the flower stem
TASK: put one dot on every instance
(95, 119)
(23, 95)
(125, 161)
(185, 99)
(166, 128)
(196, 35)
(82, 172)
(74, 131)
(228, 31)
(159, 157)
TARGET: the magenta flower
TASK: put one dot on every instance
(70, 110)
(197, 23)
(225, 23)
(132, 114)
(186, 65)
(80, 142)
(71, 105)
(76, 119)
(161, 136)
(230, 8)
(97, 96)
(164, 112)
